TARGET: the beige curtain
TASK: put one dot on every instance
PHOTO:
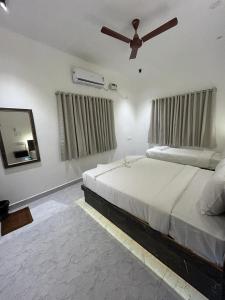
(183, 120)
(86, 125)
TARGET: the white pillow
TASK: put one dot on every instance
(220, 166)
(212, 200)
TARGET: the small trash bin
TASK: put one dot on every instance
(4, 209)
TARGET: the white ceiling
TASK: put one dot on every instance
(74, 27)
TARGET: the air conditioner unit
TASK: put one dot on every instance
(82, 76)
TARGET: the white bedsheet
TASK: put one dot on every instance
(199, 158)
(147, 188)
(204, 235)
(165, 195)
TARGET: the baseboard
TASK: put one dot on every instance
(43, 194)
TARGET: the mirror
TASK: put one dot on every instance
(18, 140)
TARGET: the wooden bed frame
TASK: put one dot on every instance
(201, 274)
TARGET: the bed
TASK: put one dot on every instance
(202, 158)
(133, 192)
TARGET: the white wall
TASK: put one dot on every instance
(30, 74)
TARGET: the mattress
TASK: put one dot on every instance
(204, 235)
(141, 187)
(199, 158)
(165, 195)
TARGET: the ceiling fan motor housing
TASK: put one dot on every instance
(136, 42)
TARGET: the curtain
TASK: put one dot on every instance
(183, 120)
(86, 125)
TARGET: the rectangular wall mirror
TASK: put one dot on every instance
(18, 140)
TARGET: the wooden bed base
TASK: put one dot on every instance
(201, 274)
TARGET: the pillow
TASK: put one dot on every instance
(221, 166)
(212, 200)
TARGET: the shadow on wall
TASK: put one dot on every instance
(81, 165)
(22, 168)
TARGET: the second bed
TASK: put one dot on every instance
(202, 158)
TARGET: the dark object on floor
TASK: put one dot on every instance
(203, 275)
(16, 220)
(4, 209)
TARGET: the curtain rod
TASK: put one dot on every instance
(214, 89)
(91, 96)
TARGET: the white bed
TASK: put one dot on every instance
(155, 191)
(206, 159)
(204, 235)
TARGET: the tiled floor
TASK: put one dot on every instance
(53, 205)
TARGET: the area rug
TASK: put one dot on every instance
(16, 220)
(69, 256)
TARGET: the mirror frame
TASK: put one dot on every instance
(2, 147)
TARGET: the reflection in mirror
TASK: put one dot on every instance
(18, 137)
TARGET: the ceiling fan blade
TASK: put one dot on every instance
(160, 29)
(115, 34)
(133, 53)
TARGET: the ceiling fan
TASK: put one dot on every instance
(136, 42)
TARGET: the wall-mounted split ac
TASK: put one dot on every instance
(85, 77)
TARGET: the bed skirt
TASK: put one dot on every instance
(206, 277)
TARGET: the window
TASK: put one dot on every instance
(86, 125)
(183, 120)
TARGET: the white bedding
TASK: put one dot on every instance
(141, 188)
(164, 195)
(204, 235)
(199, 158)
